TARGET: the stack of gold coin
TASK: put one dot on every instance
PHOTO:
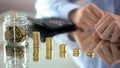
(90, 54)
(49, 54)
(36, 39)
(36, 54)
(76, 52)
(49, 48)
(49, 43)
(36, 46)
(63, 50)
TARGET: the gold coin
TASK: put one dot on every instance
(36, 35)
(76, 52)
(49, 54)
(36, 54)
(36, 39)
(63, 55)
(35, 59)
(63, 48)
(90, 54)
(49, 43)
(36, 44)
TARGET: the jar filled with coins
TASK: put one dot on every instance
(15, 35)
(15, 28)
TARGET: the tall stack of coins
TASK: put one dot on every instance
(76, 52)
(49, 48)
(63, 50)
(90, 54)
(36, 46)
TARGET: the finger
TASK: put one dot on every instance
(101, 20)
(86, 44)
(91, 16)
(108, 31)
(80, 38)
(101, 54)
(89, 22)
(86, 19)
(91, 46)
(100, 29)
(117, 23)
(99, 45)
(82, 24)
(115, 35)
(107, 51)
(79, 20)
(95, 10)
(115, 51)
(117, 17)
(81, 35)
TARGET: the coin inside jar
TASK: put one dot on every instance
(18, 51)
(16, 34)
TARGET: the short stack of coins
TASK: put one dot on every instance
(76, 52)
(90, 54)
(49, 48)
(36, 46)
(63, 50)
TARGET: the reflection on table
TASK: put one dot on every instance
(17, 56)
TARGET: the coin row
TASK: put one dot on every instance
(49, 48)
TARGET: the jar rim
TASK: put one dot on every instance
(16, 16)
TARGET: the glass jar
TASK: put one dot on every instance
(15, 28)
(17, 56)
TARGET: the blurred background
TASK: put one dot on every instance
(17, 5)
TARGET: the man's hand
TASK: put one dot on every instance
(109, 52)
(84, 40)
(86, 17)
(108, 29)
